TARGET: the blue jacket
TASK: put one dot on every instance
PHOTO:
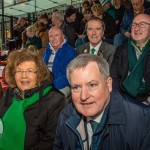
(127, 127)
(62, 58)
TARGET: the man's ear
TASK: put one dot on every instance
(109, 83)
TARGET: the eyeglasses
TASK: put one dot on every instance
(27, 72)
(141, 25)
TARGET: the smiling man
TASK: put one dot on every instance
(131, 65)
(96, 45)
(99, 118)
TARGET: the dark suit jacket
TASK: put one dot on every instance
(106, 50)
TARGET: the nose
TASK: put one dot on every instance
(84, 95)
(24, 74)
(93, 31)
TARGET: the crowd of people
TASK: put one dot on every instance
(80, 80)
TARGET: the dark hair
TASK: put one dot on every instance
(17, 57)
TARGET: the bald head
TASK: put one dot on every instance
(56, 37)
(140, 29)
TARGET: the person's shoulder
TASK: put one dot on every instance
(54, 97)
(129, 103)
(133, 105)
(68, 49)
(68, 110)
(108, 45)
(83, 46)
(122, 48)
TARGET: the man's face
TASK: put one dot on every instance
(141, 34)
(137, 4)
(21, 22)
(87, 15)
(95, 32)
(90, 91)
(56, 38)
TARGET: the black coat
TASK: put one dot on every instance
(41, 118)
(120, 67)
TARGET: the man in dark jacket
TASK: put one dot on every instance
(131, 64)
(125, 26)
(58, 21)
(99, 119)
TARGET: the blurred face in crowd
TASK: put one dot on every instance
(95, 32)
(21, 22)
(30, 33)
(25, 75)
(56, 37)
(71, 18)
(106, 6)
(90, 91)
(54, 19)
(140, 29)
(137, 4)
(87, 15)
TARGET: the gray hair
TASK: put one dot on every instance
(59, 15)
(83, 60)
(98, 20)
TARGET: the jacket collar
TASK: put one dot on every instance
(116, 112)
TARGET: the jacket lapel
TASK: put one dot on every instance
(101, 49)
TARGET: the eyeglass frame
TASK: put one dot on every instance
(139, 25)
(27, 72)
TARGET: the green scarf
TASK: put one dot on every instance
(133, 83)
(14, 125)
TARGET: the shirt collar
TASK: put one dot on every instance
(96, 47)
(97, 119)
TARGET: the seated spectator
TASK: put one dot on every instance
(82, 38)
(70, 18)
(95, 33)
(110, 25)
(42, 32)
(85, 5)
(119, 10)
(44, 18)
(131, 64)
(125, 26)
(18, 29)
(99, 118)
(76, 23)
(58, 21)
(29, 111)
(87, 15)
(108, 8)
(32, 39)
(57, 56)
